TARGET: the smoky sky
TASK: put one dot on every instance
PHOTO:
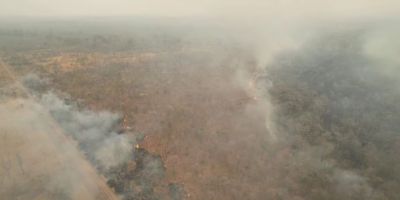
(232, 9)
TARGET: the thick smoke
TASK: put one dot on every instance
(37, 162)
(102, 138)
(94, 131)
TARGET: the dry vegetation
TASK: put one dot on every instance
(200, 112)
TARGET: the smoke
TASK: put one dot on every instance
(253, 9)
(99, 134)
(105, 142)
(312, 115)
(94, 131)
(335, 112)
(37, 161)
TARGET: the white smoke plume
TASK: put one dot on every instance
(38, 162)
(94, 131)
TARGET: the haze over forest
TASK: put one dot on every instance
(173, 100)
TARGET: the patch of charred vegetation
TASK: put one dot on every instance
(138, 178)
